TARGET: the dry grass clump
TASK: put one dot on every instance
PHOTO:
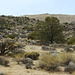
(51, 62)
(32, 55)
(64, 58)
(48, 62)
(19, 57)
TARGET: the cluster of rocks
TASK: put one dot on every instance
(47, 48)
(28, 62)
(71, 67)
(70, 48)
(52, 47)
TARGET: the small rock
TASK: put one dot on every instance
(2, 74)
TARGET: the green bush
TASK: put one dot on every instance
(32, 55)
(71, 41)
(11, 54)
(33, 35)
(28, 28)
(12, 36)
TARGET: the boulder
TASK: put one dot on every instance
(45, 48)
(28, 66)
(53, 48)
(60, 69)
(27, 60)
(54, 53)
(73, 46)
(69, 49)
(28, 63)
(71, 67)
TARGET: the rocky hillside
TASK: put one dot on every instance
(68, 21)
(62, 18)
(13, 27)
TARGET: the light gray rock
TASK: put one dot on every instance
(27, 60)
(73, 46)
(28, 66)
(54, 53)
(71, 67)
(45, 48)
(28, 63)
(2, 74)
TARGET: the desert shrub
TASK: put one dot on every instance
(71, 41)
(18, 57)
(33, 35)
(3, 61)
(15, 53)
(32, 55)
(6, 46)
(50, 62)
(28, 28)
(12, 36)
(65, 58)
(8, 28)
(71, 67)
(19, 44)
(11, 54)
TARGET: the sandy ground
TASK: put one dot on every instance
(33, 48)
(15, 69)
(37, 48)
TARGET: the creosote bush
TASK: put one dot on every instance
(71, 41)
(32, 55)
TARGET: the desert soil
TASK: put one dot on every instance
(15, 69)
(19, 69)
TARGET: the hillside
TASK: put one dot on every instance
(62, 18)
(23, 25)
(18, 51)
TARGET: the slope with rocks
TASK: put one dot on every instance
(62, 18)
